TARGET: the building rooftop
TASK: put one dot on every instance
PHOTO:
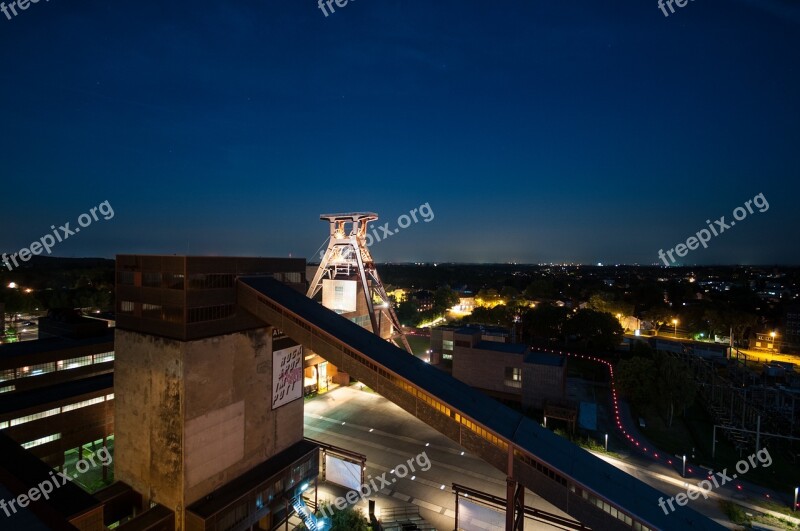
(251, 479)
(542, 358)
(26, 348)
(508, 348)
(471, 329)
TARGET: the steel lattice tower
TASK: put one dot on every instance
(347, 258)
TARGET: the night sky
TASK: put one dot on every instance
(537, 131)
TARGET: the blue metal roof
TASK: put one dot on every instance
(508, 348)
(634, 496)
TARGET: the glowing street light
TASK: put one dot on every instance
(684, 465)
(675, 323)
(794, 507)
(606, 442)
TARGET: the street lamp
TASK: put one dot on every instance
(684, 465)
(675, 323)
(794, 507)
(607, 452)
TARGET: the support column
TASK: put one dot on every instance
(511, 499)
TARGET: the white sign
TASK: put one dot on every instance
(339, 295)
(287, 375)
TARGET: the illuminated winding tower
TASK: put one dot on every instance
(348, 279)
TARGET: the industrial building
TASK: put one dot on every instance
(484, 358)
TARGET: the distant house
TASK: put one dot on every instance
(466, 302)
(423, 299)
(764, 341)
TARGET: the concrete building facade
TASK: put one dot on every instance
(483, 358)
(195, 377)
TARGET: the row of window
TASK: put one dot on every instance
(610, 509)
(174, 280)
(170, 314)
(533, 463)
(158, 279)
(485, 434)
(53, 366)
(211, 281)
(211, 313)
(55, 411)
(291, 277)
(43, 440)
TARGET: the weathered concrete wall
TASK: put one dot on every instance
(148, 416)
(485, 369)
(192, 416)
(230, 424)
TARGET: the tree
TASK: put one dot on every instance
(408, 313)
(659, 316)
(496, 316)
(509, 293)
(487, 296)
(348, 519)
(635, 379)
(545, 321)
(443, 299)
(607, 302)
(675, 385)
(541, 288)
(596, 330)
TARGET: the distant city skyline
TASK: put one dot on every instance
(543, 133)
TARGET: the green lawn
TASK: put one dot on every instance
(419, 344)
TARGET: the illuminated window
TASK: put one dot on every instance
(36, 370)
(104, 357)
(35, 416)
(43, 440)
(85, 403)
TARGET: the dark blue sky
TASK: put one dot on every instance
(536, 131)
